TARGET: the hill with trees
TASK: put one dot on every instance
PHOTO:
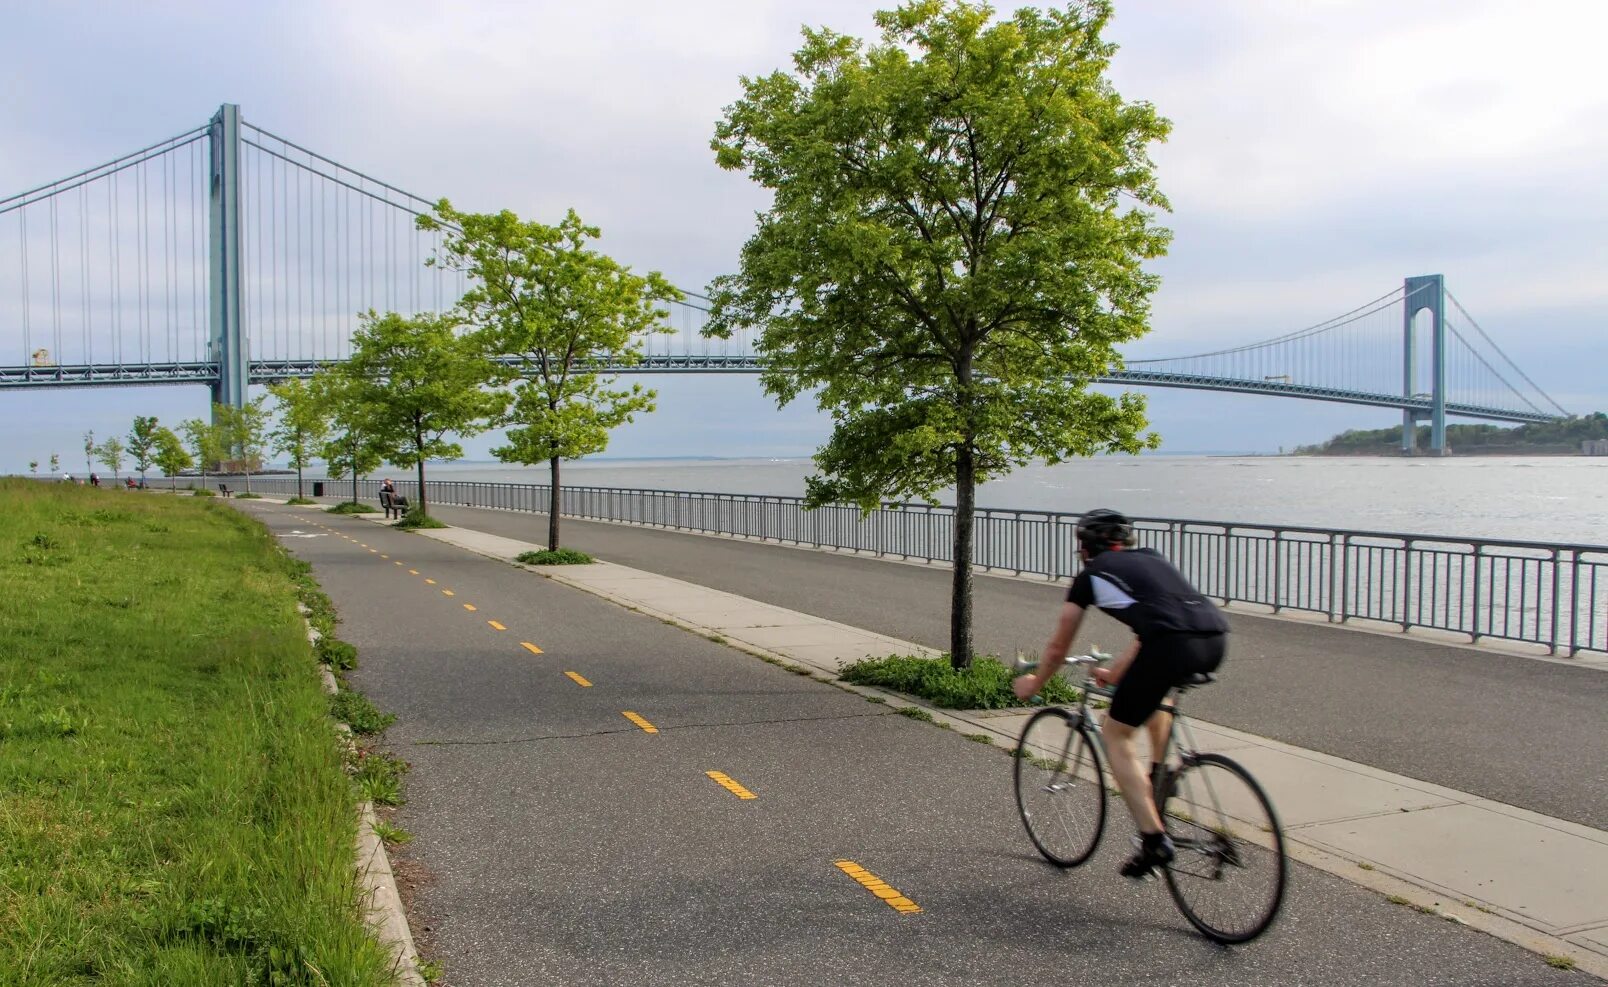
(1559, 438)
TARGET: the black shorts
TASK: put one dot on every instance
(1163, 662)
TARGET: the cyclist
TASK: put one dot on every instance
(1178, 632)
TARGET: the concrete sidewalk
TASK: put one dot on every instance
(1539, 882)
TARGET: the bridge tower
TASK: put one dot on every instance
(224, 244)
(1425, 292)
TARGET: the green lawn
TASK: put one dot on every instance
(173, 804)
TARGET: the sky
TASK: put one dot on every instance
(1321, 152)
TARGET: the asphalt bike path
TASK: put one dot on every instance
(560, 841)
(1505, 727)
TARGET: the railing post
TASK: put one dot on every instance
(1407, 583)
(1278, 567)
(1479, 584)
(1557, 576)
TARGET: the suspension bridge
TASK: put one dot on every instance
(230, 256)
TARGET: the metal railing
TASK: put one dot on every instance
(1555, 595)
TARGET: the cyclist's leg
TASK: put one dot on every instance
(1135, 702)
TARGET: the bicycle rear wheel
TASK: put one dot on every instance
(1228, 875)
(1060, 790)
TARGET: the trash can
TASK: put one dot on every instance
(318, 488)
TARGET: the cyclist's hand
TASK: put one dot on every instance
(1101, 676)
(1025, 686)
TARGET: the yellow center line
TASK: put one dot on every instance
(878, 887)
(396, 563)
(430, 581)
(496, 626)
(639, 721)
(576, 678)
(413, 572)
(385, 556)
(362, 545)
(729, 784)
(449, 592)
(375, 551)
(470, 607)
(530, 647)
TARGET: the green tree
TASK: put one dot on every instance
(348, 450)
(415, 382)
(55, 463)
(243, 434)
(548, 306)
(301, 426)
(205, 443)
(33, 466)
(142, 443)
(89, 452)
(953, 250)
(110, 453)
(171, 457)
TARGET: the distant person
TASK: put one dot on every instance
(66, 478)
(388, 498)
(94, 480)
(1179, 633)
(128, 483)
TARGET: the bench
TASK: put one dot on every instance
(223, 489)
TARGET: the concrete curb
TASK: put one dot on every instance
(386, 916)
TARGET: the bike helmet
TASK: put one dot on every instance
(1102, 527)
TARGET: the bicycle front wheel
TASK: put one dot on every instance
(1228, 875)
(1060, 790)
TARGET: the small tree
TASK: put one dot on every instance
(89, 451)
(348, 450)
(539, 296)
(416, 382)
(142, 443)
(953, 250)
(55, 463)
(301, 426)
(205, 444)
(243, 434)
(170, 456)
(33, 466)
(111, 453)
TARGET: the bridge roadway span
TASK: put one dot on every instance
(560, 842)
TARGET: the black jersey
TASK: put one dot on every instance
(1143, 590)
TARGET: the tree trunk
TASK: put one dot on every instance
(418, 446)
(299, 457)
(960, 603)
(554, 508)
(354, 470)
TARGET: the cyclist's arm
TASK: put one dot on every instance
(1054, 656)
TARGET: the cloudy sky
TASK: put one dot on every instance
(1321, 152)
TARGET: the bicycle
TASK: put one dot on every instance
(1223, 827)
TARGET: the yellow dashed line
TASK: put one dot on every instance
(362, 545)
(396, 563)
(530, 647)
(413, 572)
(576, 678)
(496, 626)
(725, 781)
(449, 592)
(878, 887)
(639, 721)
(430, 581)
(470, 607)
(385, 556)
(375, 551)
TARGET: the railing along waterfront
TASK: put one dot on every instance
(1555, 595)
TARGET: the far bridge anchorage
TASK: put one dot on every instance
(229, 256)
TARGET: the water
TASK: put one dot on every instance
(1548, 499)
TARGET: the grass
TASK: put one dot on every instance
(1559, 962)
(173, 806)
(556, 556)
(338, 655)
(248, 496)
(985, 685)
(300, 501)
(353, 507)
(355, 710)
(202, 492)
(392, 835)
(419, 519)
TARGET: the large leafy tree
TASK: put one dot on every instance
(953, 251)
(171, 456)
(142, 443)
(243, 434)
(548, 307)
(301, 426)
(415, 382)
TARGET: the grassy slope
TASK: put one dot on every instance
(173, 807)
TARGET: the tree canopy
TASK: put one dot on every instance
(953, 252)
(547, 306)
